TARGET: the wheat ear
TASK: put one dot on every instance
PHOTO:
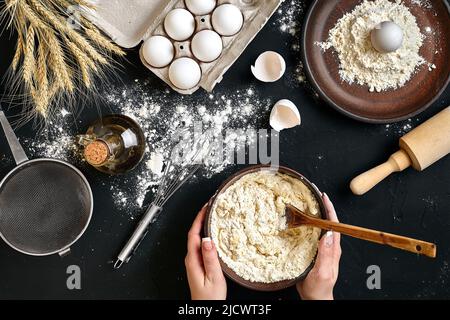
(29, 59)
(84, 63)
(42, 101)
(18, 53)
(84, 3)
(29, 14)
(62, 27)
(11, 3)
(101, 41)
(92, 31)
(57, 64)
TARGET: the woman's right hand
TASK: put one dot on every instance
(319, 283)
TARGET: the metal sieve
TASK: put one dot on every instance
(45, 204)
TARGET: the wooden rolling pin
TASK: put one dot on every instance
(420, 148)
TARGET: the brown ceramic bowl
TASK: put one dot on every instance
(356, 101)
(207, 226)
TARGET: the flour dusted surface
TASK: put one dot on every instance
(359, 62)
(248, 225)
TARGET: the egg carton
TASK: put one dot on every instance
(129, 22)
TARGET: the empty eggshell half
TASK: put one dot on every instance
(284, 115)
(269, 67)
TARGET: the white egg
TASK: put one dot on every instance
(387, 37)
(200, 7)
(185, 73)
(179, 24)
(158, 51)
(206, 45)
(227, 19)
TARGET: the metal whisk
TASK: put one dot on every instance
(174, 176)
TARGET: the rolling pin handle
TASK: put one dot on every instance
(399, 161)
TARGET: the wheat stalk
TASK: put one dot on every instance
(18, 53)
(55, 60)
(11, 3)
(29, 14)
(84, 63)
(29, 59)
(66, 3)
(57, 64)
(100, 40)
(42, 82)
(92, 31)
(62, 27)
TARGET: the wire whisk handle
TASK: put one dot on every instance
(138, 235)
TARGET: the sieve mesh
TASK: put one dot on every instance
(44, 207)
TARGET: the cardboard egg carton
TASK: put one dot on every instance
(129, 22)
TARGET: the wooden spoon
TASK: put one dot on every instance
(296, 218)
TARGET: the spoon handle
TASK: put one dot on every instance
(412, 245)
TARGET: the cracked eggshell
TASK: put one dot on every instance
(284, 115)
(269, 67)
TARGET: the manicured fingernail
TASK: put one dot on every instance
(206, 243)
(329, 238)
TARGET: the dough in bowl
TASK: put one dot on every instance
(248, 225)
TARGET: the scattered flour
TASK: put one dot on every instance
(242, 109)
(160, 114)
(248, 224)
(422, 3)
(401, 128)
(288, 17)
(289, 20)
(56, 140)
(156, 163)
(360, 62)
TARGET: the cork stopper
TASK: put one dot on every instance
(96, 153)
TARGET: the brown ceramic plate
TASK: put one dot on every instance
(356, 101)
(207, 227)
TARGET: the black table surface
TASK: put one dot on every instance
(410, 203)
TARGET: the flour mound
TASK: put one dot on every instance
(359, 62)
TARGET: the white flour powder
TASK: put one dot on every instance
(289, 19)
(360, 62)
(160, 114)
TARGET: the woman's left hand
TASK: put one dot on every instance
(205, 276)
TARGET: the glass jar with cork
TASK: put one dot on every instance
(114, 144)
